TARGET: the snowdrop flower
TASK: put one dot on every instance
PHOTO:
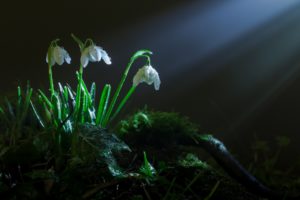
(58, 55)
(94, 53)
(148, 75)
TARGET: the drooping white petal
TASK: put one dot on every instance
(157, 82)
(52, 61)
(138, 78)
(94, 53)
(148, 75)
(105, 57)
(58, 55)
(84, 59)
(67, 56)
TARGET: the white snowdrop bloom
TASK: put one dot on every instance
(148, 75)
(58, 55)
(94, 53)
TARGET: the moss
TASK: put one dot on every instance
(192, 160)
(159, 129)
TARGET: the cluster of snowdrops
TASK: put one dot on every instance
(83, 108)
(66, 109)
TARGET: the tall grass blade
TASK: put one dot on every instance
(19, 103)
(37, 115)
(4, 117)
(65, 110)
(92, 115)
(84, 89)
(57, 108)
(103, 104)
(93, 93)
(121, 105)
(192, 182)
(84, 109)
(213, 190)
(71, 95)
(47, 115)
(26, 104)
(10, 109)
(77, 102)
(45, 99)
(169, 189)
(65, 94)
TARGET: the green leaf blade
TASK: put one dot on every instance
(103, 104)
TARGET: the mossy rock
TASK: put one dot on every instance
(158, 129)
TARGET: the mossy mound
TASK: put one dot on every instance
(158, 129)
(108, 166)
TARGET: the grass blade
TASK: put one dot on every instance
(45, 99)
(103, 104)
(65, 94)
(37, 115)
(57, 108)
(84, 109)
(84, 89)
(10, 109)
(77, 101)
(169, 189)
(19, 103)
(26, 103)
(71, 95)
(93, 93)
(213, 190)
(47, 114)
(192, 182)
(64, 101)
(4, 116)
(92, 115)
(125, 99)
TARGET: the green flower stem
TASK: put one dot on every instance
(124, 100)
(79, 42)
(51, 79)
(116, 95)
(81, 71)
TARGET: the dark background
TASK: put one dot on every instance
(231, 66)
